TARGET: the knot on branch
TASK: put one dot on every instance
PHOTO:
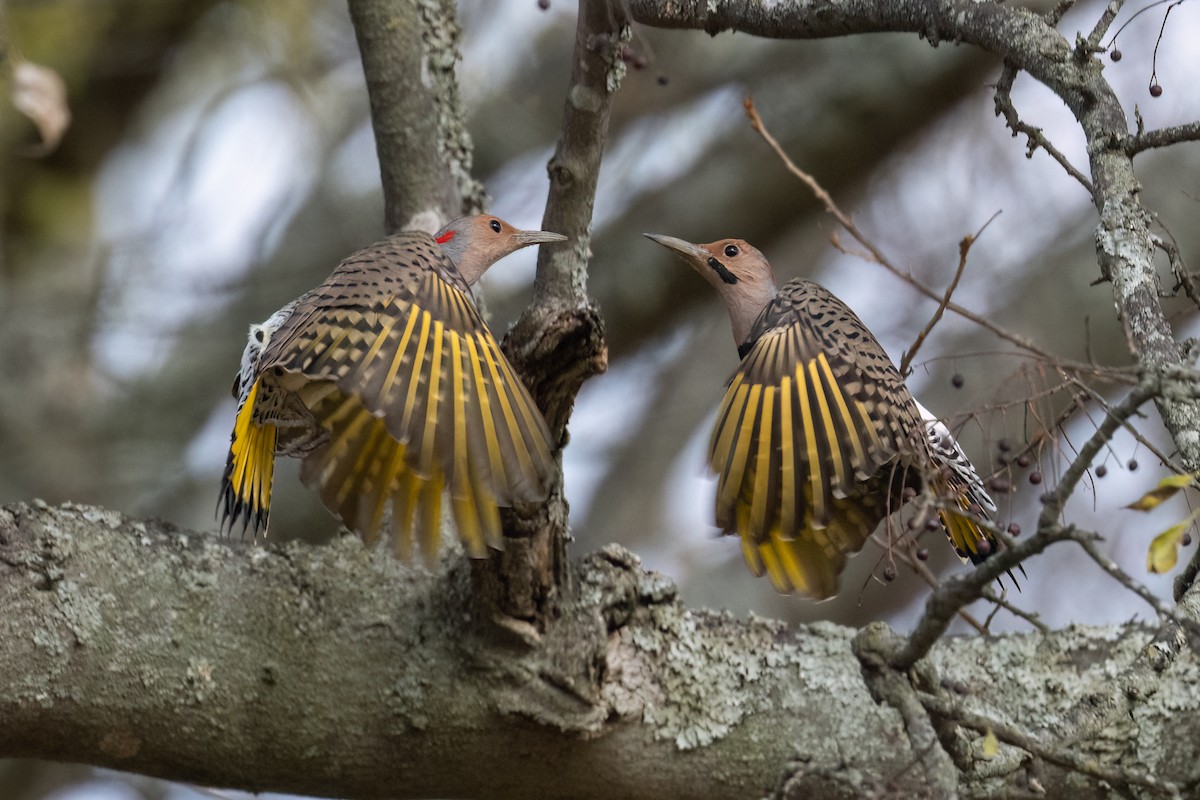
(880, 652)
(555, 350)
(616, 583)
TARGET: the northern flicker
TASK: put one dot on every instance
(818, 439)
(388, 384)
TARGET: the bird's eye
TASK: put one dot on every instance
(731, 250)
(495, 224)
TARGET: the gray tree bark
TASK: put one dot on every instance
(337, 671)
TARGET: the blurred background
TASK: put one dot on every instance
(220, 161)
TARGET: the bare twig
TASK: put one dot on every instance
(1062, 756)
(1031, 617)
(1055, 499)
(957, 592)
(872, 646)
(906, 557)
(1163, 137)
(1138, 436)
(1087, 541)
(1006, 109)
(1055, 15)
(1102, 25)
(964, 247)
(1183, 278)
(877, 257)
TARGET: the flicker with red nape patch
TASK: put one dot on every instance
(388, 384)
(818, 439)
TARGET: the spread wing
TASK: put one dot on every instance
(806, 439)
(396, 362)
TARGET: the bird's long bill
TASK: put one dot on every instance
(690, 252)
(527, 238)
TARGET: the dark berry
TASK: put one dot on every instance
(1156, 90)
(1035, 477)
(957, 381)
(545, 4)
(909, 493)
(1022, 461)
(1004, 445)
(1000, 485)
(1186, 540)
(1133, 465)
(922, 554)
(889, 573)
(1101, 471)
(1115, 55)
(1014, 529)
(983, 547)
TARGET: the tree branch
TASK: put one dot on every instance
(134, 645)
(420, 128)
(558, 342)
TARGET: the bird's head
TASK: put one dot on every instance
(741, 275)
(475, 243)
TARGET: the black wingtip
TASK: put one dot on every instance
(231, 508)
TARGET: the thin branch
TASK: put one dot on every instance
(1184, 279)
(1132, 430)
(1006, 109)
(905, 556)
(1111, 10)
(964, 247)
(1032, 617)
(889, 685)
(957, 592)
(1163, 137)
(1062, 756)
(1087, 541)
(1055, 15)
(877, 257)
(1054, 500)
(1186, 577)
(558, 342)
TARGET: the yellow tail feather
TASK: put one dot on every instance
(249, 469)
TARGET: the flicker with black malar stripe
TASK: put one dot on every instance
(818, 439)
(387, 383)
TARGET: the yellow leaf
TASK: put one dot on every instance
(1164, 550)
(1167, 488)
(990, 746)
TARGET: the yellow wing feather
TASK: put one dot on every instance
(409, 420)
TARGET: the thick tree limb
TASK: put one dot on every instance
(336, 671)
(420, 127)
